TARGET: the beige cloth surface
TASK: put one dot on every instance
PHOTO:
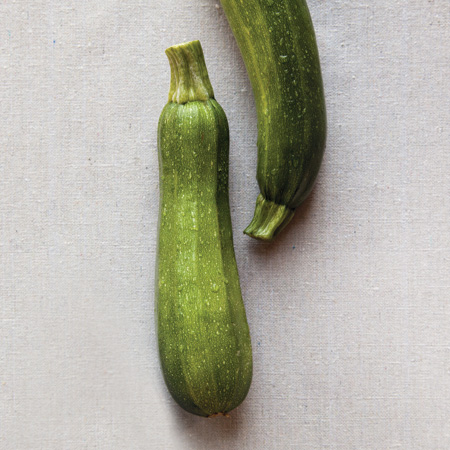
(349, 309)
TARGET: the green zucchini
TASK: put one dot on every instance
(203, 335)
(277, 42)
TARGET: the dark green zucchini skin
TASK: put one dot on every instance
(277, 42)
(203, 335)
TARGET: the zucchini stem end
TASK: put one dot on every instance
(269, 219)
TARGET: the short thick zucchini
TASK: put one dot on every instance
(278, 45)
(203, 336)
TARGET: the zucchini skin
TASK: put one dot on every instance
(203, 335)
(278, 45)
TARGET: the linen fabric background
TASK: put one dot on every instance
(349, 309)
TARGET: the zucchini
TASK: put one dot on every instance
(203, 335)
(277, 42)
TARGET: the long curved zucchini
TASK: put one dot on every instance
(277, 42)
(203, 336)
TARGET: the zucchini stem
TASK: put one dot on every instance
(269, 219)
(189, 79)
